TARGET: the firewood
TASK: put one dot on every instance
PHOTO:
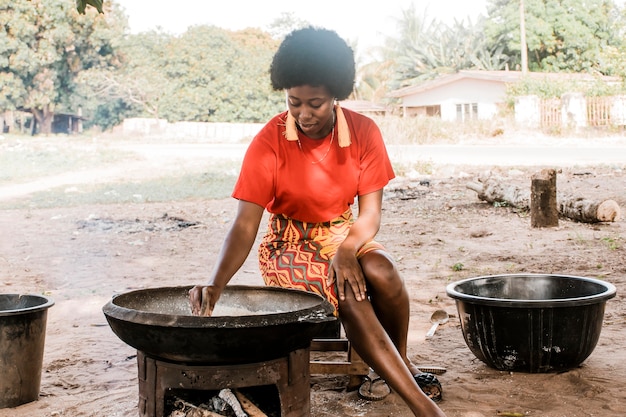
(579, 209)
(492, 191)
(248, 406)
(227, 395)
(588, 211)
(187, 409)
(199, 412)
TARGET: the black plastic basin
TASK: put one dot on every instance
(531, 322)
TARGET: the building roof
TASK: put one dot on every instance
(497, 76)
(363, 106)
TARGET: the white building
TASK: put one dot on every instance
(469, 94)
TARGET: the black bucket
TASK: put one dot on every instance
(531, 322)
(22, 338)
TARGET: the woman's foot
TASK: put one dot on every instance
(430, 385)
(428, 382)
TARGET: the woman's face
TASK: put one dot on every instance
(312, 107)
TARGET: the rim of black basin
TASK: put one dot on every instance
(597, 291)
(317, 312)
(12, 304)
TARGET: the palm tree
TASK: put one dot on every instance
(426, 49)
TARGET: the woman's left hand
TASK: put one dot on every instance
(345, 267)
(346, 270)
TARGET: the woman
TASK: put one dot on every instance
(305, 167)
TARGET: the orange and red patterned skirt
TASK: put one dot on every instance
(295, 254)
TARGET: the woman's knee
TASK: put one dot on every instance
(381, 273)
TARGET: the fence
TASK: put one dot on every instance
(598, 112)
(207, 132)
(550, 113)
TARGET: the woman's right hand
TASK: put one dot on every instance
(203, 298)
(237, 245)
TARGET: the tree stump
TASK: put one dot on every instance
(543, 206)
(577, 208)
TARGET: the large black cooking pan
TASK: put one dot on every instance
(249, 324)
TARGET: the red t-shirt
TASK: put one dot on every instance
(278, 175)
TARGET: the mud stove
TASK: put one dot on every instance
(260, 340)
(288, 379)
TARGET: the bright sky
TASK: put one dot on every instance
(367, 21)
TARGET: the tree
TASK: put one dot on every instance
(561, 35)
(426, 48)
(207, 74)
(81, 5)
(139, 84)
(285, 23)
(44, 46)
(220, 75)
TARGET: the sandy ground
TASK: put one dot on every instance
(439, 232)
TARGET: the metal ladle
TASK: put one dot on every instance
(438, 317)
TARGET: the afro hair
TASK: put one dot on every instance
(316, 57)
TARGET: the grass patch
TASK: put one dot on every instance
(405, 169)
(430, 130)
(27, 158)
(613, 243)
(205, 185)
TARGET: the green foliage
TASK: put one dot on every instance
(613, 61)
(207, 74)
(219, 75)
(111, 113)
(426, 48)
(44, 46)
(53, 58)
(284, 24)
(550, 88)
(613, 243)
(81, 5)
(561, 35)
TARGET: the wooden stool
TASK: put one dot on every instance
(331, 340)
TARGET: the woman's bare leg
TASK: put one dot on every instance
(389, 299)
(374, 345)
